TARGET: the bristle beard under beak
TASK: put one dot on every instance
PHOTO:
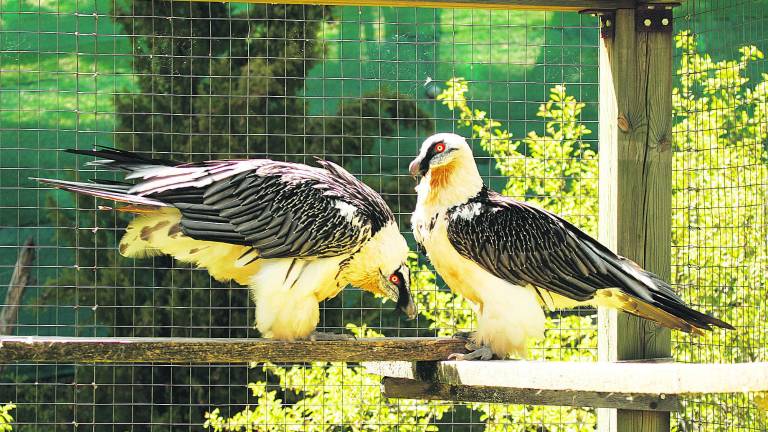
(405, 303)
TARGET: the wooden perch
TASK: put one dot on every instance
(199, 350)
(625, 385)
(404, 388)
(19, 281)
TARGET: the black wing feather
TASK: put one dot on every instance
(280, 209)
(525, 245)
(278, 212)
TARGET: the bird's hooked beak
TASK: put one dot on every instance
(414, 167)
(397, 287)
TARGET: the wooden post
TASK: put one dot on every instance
(19, 281)
(635, 185)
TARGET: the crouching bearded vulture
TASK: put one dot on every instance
(295, 234)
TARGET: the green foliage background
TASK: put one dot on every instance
(716, 107)
(356, 85)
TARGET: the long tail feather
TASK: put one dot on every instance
(107, 191)
(123, 160)
(665, 298)
(653, 298)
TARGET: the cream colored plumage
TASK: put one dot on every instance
(156, 232)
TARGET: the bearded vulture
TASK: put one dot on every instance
(295, 234)
(510, 258)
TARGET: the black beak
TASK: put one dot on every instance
(405, 303)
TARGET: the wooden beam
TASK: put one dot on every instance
(631, 378)
(404, 388)
(198, 350)
(542, 5)
(635, 189)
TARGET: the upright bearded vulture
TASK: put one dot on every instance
(510, 258)
(295, 234)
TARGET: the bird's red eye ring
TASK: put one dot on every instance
(395, 279)
(440, 147)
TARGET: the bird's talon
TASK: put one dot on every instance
(480, 353)
(472, 346)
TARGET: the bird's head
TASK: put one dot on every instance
(447, 169)
(396, 285)
(380, 268)
(441, 152)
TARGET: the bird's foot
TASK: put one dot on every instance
(323, 336)
(477, 352)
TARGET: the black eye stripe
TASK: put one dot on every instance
(403, 296)
(431, 152)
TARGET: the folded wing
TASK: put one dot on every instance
(526, 245)
(276, 209)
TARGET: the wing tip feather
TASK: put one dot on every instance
(696, 323)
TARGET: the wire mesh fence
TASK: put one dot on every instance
(360, 86)
(197, 81)
(720, 184)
